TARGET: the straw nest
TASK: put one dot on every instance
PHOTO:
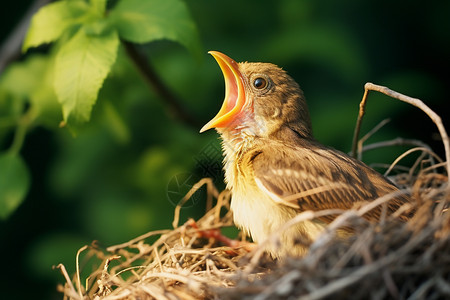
(383, 260)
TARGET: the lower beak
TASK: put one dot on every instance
(234, 93)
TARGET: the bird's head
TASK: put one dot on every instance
(261, 100)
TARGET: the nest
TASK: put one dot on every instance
(382, 260)
(388, 259)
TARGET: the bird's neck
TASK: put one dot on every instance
(241, 140)
(235, 143)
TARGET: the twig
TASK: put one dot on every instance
(170, 100)
(394, 142)
(386, 166)
(63, 270)
(413, 101)
(20, 132)
(210, 188)
(357, 247)
(78, 270)
(282, 285)
(135, 240)
(390, 284)
(368, 135)
(421, 291)
(11, 47)
(425, 150)
(438, 165)
(362, 111)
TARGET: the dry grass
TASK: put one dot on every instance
(384, 260)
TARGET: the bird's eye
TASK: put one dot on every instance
(259, 83)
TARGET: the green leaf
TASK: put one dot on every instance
(32, 82)
(145, 21)
(14, 183)
(81, 66)
(49, 23)
(99, 6)
(22, 78)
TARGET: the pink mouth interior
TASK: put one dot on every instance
(231, 89)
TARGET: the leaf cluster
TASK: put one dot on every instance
(62, 87)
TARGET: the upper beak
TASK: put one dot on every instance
(234, 92)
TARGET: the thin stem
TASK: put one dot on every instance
(362, 111)
(151, 77)
(11, 47)
(395, 142)
(20, 132)
(368, 135)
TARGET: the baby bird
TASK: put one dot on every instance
(275, 168)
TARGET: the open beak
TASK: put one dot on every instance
(234, 93)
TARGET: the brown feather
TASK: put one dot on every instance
(291, 169)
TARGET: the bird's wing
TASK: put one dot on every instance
(317, 179)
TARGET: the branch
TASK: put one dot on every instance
(362, 111)
(171, 101)
(395, 142)
(11, 47)
(413, 101)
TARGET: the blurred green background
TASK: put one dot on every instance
(123, 173)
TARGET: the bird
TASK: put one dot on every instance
(276, 169)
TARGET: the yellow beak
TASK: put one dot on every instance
(234, 92)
